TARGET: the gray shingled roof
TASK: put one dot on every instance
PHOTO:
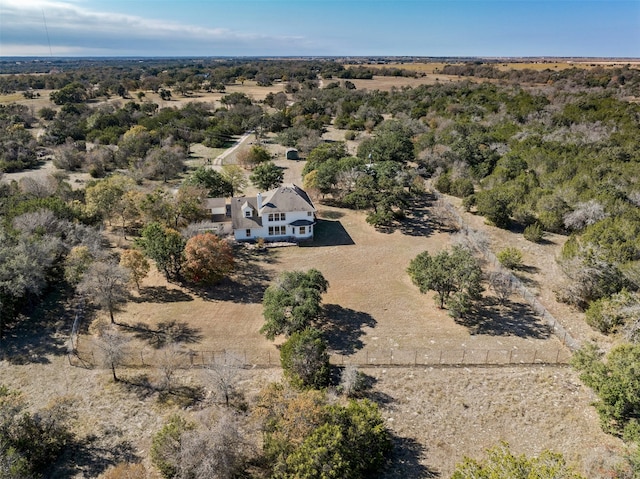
(238, 220)
(286, 198)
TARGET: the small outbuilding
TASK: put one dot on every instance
(292, 154)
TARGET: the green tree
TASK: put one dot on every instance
(107, 197)
(392, 141)
(347, 441)
(495, 206)
(501, 463)
(293, 302)
(72, 93)
(216, 184)
(165, 246)
(137, 265)
(235, 177)
(455, 276)
(267, 176)
(256, 155)
(305, 360)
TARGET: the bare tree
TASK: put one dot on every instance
(105, 284)
(215, 450)
(502, 285)
(352, 381)
(584, 214)
(224, 376)
(168, 361)
(112, 344)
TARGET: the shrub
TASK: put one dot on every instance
(510, 258)
(305, 360)
(616, 383)
(534, 233)
(461, 187)
(502, 463)
(165, 446)
(350, 135)
(443, 184)
(605, 314)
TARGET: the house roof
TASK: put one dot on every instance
(285, 199)
(238, 220)
(214, 203)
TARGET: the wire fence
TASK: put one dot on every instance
(478, 242)
(90, 355)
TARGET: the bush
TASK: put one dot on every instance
(605, 314)
(502, 463)
(350, 135)
(616, 383)
(443, 184)
(461, 187)
(534, 233)
(510, 258)
(165, 446)
(305, 360)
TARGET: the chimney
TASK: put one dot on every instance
(259, 198)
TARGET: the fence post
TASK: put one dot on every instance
(440, 358)
(463, 353)
(558, 357)
(415, 357)
(141, 357)
(510, 355)
(535, 353)
(486, 359)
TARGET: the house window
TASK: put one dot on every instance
(282, 218)
(247, 214)
(303, 230)
(271, 216)
(277, 230)
(309, 213)
(248, 233)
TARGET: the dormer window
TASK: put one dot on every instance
(247, 213)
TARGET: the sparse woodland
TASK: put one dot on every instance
(534, 152)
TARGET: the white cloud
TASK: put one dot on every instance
(72, 27)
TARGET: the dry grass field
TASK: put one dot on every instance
(437, 413)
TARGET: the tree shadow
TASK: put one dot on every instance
(417, 222)
(95, 454)
(161, 294)
(167, 332)
(39, 331)
(510, 319)
(248, 282)
(331, 214)
(342, 328)
(405, 460)
(329, 233)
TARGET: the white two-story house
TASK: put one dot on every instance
(283, 213)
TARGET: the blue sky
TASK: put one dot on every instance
(591, 28)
